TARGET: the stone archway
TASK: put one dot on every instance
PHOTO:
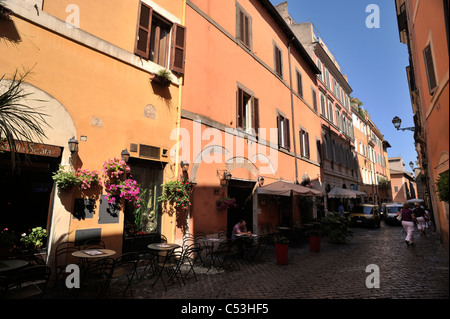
(60, 129)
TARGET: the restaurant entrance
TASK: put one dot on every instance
(25, 193)
(242, 192)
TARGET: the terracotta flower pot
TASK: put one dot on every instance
(314, 243)
(281, 251)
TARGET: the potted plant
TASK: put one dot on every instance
(162, 77)
(177, 193)
(315, 236)
(35, 239)
(336, 227)
(225, 203)
(281, 249)
(65, 179)
(87, 178)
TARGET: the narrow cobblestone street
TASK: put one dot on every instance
(336, 272)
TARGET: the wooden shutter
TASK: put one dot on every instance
(178, 50)
(299, 84)
(279, 119)
(240, 108)
(429, 66)
(307, 144)
(255, 114)
(314, 97)
(142, 46)
(286, 134)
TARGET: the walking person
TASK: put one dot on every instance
(419, 212)
(408, 219)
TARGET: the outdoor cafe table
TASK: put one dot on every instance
(87, 255)
(209, 244)
(162, 250)
(12, 264)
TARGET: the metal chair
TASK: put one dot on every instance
(96, 277)
(63, 254)
(125, 266)
(93, 244)
(27, 283)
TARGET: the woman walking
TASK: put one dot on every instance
(408, 219)
(419, 212)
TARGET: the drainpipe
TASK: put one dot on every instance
(177, 156)
(292, 111)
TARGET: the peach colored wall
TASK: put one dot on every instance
(106, 18)
(428, 26)
(215, 66)
(89, 84)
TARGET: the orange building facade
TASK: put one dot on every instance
(92, 67)
(425, 31)
(249, 109)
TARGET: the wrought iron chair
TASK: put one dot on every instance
(125, 266)
(63, 255)
(95, 278)
(30, 282)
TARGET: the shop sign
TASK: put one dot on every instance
(32, 148)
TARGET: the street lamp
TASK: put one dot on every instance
(411, 164)
(398, 122)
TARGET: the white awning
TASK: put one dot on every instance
(281, 188)
(338, 192)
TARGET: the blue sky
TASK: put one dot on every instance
(374, 60)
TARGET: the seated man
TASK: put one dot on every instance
(240, 229)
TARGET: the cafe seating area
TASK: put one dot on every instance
(155, 262)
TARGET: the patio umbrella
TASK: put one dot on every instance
(338, 192)
(282, 188)
(415, 200)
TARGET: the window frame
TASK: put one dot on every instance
(304, 143)
(175, 47)
(277, 60)
(284, 139)
(428, 57)
(241, 28)
(241, 111)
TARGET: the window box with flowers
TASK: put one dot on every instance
(225, 203)
(177, 193)
(82, 178)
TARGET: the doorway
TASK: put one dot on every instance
(242, 192)
(25, 193)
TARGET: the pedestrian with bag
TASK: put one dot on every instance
(419, 212)
(408, 218)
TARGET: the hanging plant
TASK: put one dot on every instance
(442, 186)
(115, 168)
(117, 185)
(177, 193)
(225, 203)
(65, 179)
(87, 178)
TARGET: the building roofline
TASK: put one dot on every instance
(290, 34)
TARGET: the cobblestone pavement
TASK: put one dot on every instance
(336, 272)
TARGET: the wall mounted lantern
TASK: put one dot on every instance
(73, 145)
(184, 166)
(261, 180)
(125, 155)
(225, 179)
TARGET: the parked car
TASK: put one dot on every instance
(389, 212)
(365, 215)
